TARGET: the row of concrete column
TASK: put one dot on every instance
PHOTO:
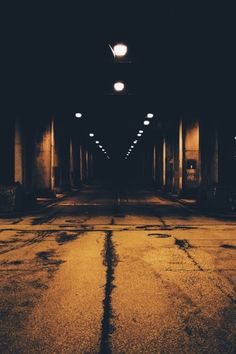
(44, 156)
(185, 156)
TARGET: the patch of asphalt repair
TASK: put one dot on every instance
(45, 219)
(160, 235)
(110, 260)
(230, 247)
(66, 237)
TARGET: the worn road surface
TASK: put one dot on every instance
(109, 272)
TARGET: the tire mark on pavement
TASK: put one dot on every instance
(40, 236)
(110, 261)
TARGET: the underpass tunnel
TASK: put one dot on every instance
(159, 114)
(51, 154)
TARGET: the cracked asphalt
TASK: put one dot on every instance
(108, 272)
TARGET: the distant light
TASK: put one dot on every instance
(235, 138)
(103, 150)
(78, 115)
(120, 50)
(119, 86)
(96, 142)
(150, 115)
(100, 146)
(132, 146)
(146, 122)
(91, 135)
(140, 131)
(139, 134)
(135, 141)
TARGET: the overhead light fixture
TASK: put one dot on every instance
(132, 146)
(135, 141)
(140, 131)
(91, 135)
(119, 86)
(96, 142)
(78, 115)
(100, 146)
(146, 122)
(120, 50)
(139, 134)
(150, 115)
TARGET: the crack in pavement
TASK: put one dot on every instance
(110, 261)
(184, 245)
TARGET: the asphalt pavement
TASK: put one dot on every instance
(128, 271)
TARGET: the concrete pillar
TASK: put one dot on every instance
(191, 156)
(209, 152)
(164, 163)
(42, 159)
(159, 161)
(154, 162)
(180, 157)
(61, 167)
(19, 153)
(76, 162)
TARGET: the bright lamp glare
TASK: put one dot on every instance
(91, 135)
(132, 146)
(119, 86)
(139, 134)
(135, 141)
(146, 122)
(78, 115)
(96, 142)
(140, 131)
(150, 115)
(100, 146)
(120, 50)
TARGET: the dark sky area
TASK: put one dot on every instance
(55, 59)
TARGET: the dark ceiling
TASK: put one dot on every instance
(56, 59)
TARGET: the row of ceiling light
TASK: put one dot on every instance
(97, 142)
(139, 135)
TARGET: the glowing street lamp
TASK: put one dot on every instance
(146, 122)
(120, 50)
(78, 115)
(140, 131)
(119, 86)
(150, 115)
(91, 135)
